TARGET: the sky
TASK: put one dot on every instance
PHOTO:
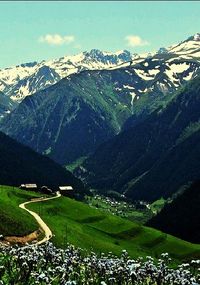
(37, 30)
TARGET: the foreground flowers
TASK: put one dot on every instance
(47, 264)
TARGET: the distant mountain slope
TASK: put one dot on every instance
(71, 118)
(181, 217)
(6, 104)
(20, 164)
(155, 157)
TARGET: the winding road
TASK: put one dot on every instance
(42, 224)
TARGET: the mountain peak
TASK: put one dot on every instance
(162, 50)
(196, 37)
(108, 58)
(93, 53)
(28, 64)
(97, 52)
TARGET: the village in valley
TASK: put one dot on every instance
(138, 211)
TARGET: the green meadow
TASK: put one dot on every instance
(77, 223)
(13, 220)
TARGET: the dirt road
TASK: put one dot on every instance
(42, 224)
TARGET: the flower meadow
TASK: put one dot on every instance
(46, 264)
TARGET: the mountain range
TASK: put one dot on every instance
(71, 118)
(164, 70)
(22, 80)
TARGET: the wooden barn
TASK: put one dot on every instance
(66, 190)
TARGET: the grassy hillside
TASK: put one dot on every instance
(88, 228)
(77, 223)
(13, 220)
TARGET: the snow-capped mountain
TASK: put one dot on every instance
(71, 118)
(188, 49)
(163, 71)
(25, 79)
(167, 69)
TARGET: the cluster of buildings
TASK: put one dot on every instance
(66, 190)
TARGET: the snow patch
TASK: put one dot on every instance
(133, 95)
(128, 87)
(189, 76)
(153, 71)
(142, 74)
(118, 89)
(179, 68)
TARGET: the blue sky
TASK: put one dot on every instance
(33, 31)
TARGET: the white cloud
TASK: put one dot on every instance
(78, 46)
(135, 41)
(56, 39)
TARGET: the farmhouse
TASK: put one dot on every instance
(66, 190)
(29, 187)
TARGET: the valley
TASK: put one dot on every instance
(99, 143)
(120, 115)
(161, 153)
